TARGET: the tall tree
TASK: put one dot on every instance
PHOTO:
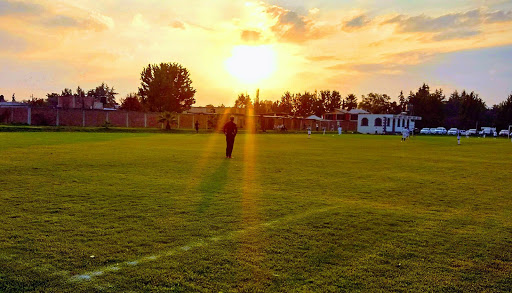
(350, 102)
(402, 102)
(303, 104)
(331, 100)
(166, 87)
(428, 105)
(286, 104)
(504, 113)
(243, 101)
(376, 103)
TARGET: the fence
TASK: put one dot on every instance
(98, 118)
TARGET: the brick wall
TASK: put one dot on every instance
(96, 118)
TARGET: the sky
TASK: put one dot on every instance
(232, 47)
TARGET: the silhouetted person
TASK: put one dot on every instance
(197, 126)
(230, 130)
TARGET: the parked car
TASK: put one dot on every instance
(471, 131)
(452, 131)
(504, 132)
(433, 130)
(487, 131)
(441, 130)
(425, 131)
(462, 132)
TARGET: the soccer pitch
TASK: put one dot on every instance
(168, 213)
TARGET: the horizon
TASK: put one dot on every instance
(275, 46)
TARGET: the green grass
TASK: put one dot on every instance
(167, 213)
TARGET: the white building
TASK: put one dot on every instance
(385, 123)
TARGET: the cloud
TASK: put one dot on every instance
(356, 22)
(322, 58)
(19, 8)
(11, 43)
(449, 26)
(456, 34)
(290, 26)
(61, 21)
(178, 25)
(250, 36)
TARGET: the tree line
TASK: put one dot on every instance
(167, 87)
(462, 110)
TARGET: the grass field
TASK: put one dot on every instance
(167, 212)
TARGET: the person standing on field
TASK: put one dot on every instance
(197, 126)
(458, 137)
(230, 131)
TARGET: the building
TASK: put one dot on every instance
(385, 123)
(344, 118)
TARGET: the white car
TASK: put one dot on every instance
(452, 131)
(433, 130)
(503, 132)
(425, 131)
(471, 131)
(441, 130)
(462, 132)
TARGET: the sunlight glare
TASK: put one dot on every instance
(251, 64)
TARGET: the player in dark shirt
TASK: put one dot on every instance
(230, 130)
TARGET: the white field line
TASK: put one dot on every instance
(87, 276)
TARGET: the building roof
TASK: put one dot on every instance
(358, 111)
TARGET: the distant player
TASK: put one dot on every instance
(458, 137)
(405, 133)
(197, 126)
(230, 130)
(339, 130)
(309, 131)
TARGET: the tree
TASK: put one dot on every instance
(66, 92)
(402, 102)
(330, 101)
(376, 103)
(350, 102)
(131, 103)
(80, 92)
(243, 101)
(166, 87)
(168, 118)
(464, 110)
(429, 106)
(304, 104)
(286, 104)
(504, 113)
(105, 93)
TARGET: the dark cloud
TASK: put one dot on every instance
(250, 36)
(449, 26)
(61, 21)
(356, 22)
(456, 34)
(19, 8)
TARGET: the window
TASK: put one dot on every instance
(353, 117)
(389, 122)
(408, 123)
(378, 122)
(398, 122)
(340, 117)
(364, 122)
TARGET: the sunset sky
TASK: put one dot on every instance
(230, 46)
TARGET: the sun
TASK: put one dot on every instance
(251, 64)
